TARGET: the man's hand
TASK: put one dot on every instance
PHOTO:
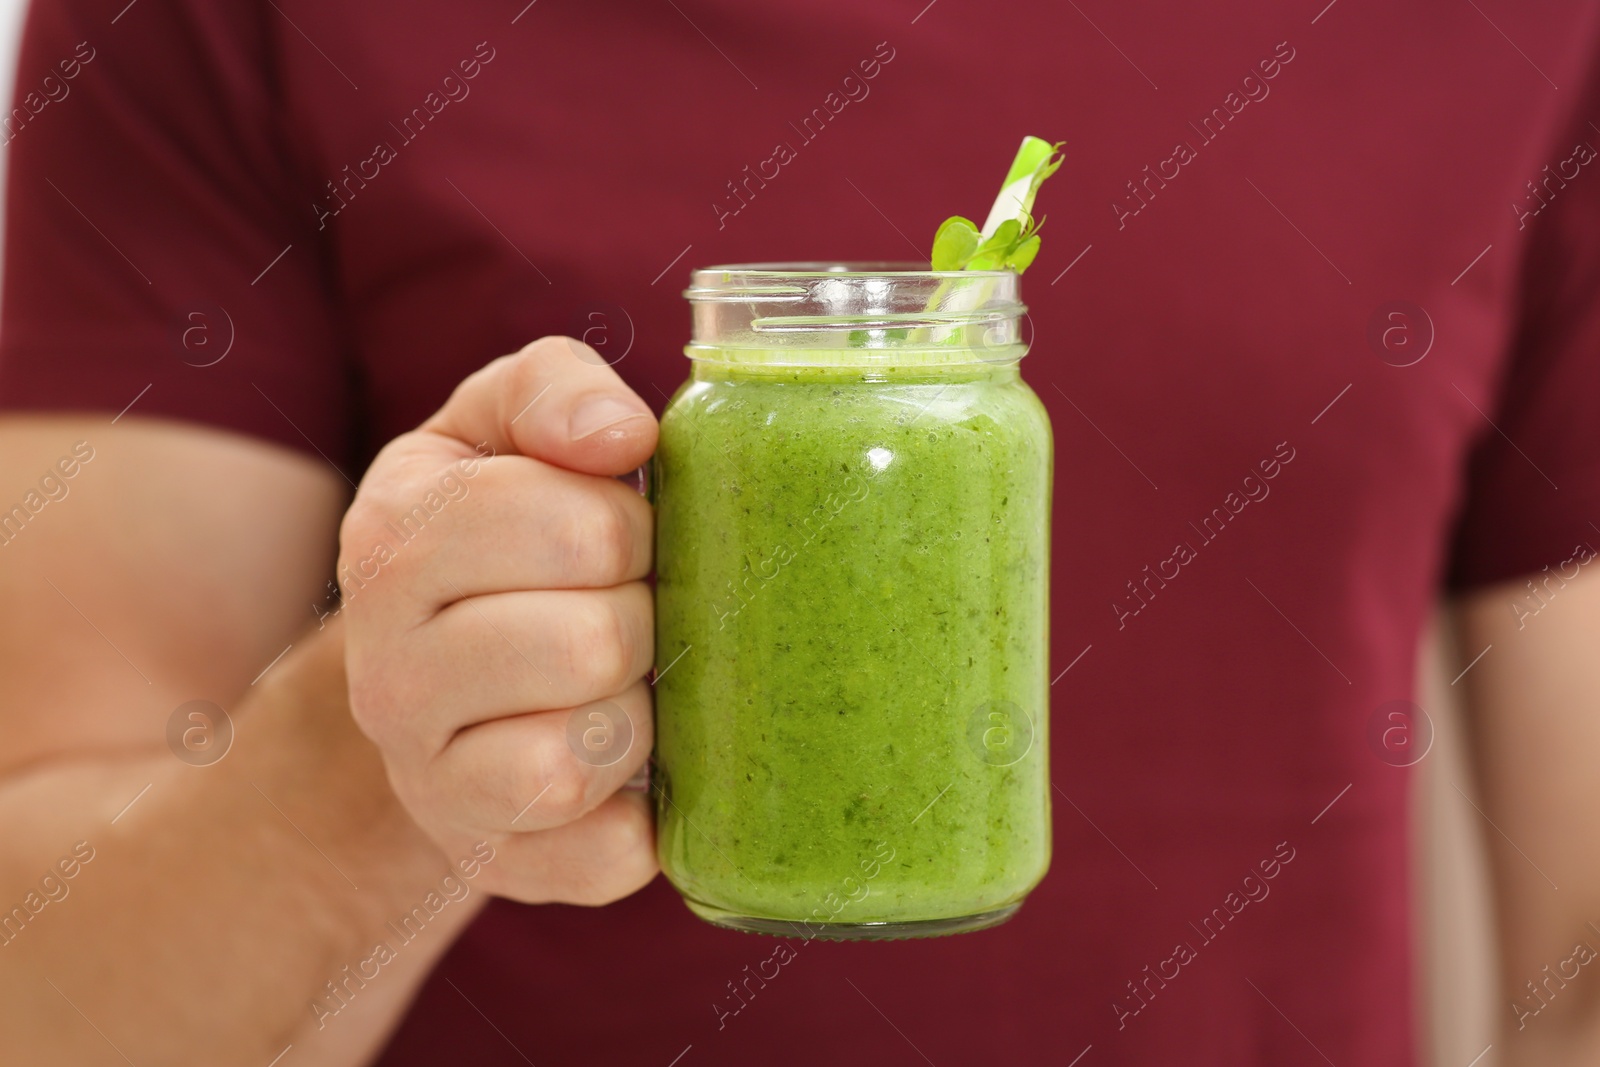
(498, 627)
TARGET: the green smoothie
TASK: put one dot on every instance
(851, 619)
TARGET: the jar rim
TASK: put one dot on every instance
(853, 314)
(847, 268)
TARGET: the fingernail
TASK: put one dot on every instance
(600, 413)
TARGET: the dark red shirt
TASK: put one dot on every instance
(1355, 248)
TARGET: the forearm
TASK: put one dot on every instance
(219, 907)
(1533, 706)
(1565, 1044)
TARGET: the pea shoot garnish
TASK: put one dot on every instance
(1009, 239)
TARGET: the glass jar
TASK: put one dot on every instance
(853, 494)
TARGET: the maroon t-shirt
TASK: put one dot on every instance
(1316, 322)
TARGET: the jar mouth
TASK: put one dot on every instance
(808, 269)
(843, 313)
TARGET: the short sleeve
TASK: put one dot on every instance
(1533, 480)
(161, 253)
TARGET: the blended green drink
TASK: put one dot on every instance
(853, 496)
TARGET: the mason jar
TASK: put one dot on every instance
(853, 512)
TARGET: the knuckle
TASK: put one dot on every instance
(529, 369)
(369, 703)
(611, 857)
(624, 859)
(600, 541)
(522, 372)
(358, 526)
(386, 492)
(376, 686)
(562, 790)
(367, 547)
(633, 833)
(394, 504)
(540, 347)
(598, 645)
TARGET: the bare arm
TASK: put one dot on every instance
(1534, 709)
(179, 563)
(297, 890)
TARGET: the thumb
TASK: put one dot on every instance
(556, 401)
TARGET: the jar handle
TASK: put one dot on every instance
(642, 479)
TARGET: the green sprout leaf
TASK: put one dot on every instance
(954, 244)
(1022, 255)
(1009, 239)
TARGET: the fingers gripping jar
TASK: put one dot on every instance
(853, 493)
